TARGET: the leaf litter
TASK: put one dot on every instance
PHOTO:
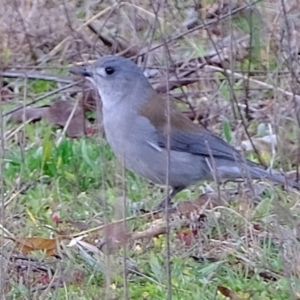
(234, 226)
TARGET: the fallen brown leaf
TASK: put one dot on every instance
(228, 293)
(58, 114)
(29, 113)
(27, 245)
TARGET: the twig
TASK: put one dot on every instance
(255, 81)
(42, 97)
(201, 26)
(57, 47)
(35, 75)
(67, 124)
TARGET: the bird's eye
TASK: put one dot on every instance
(109, 70)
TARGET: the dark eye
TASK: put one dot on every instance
(109, 70)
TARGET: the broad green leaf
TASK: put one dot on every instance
(227, 131)
(47, 147)
(85, 155)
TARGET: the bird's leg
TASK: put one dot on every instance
(167, 199)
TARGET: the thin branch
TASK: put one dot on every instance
(255, 81)
(35, 75)
(42, 97)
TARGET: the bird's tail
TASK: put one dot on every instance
(258, 172)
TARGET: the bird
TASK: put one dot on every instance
(158, 142)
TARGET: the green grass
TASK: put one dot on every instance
(254, 248)
(75, 178)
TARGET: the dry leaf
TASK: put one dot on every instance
(228, 293)
(27, 245)
(28, 113)
(187, 237)
(6, 92)
(58, 114)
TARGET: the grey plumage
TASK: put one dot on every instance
(136, 125)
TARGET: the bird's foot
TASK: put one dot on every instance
(165, 203)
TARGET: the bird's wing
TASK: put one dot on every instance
(196, 140)
(202, 143)
(185, 136)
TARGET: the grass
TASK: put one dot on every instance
(69, 183)
(72, 180)
(54, 186)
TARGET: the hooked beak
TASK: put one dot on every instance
(81, 71)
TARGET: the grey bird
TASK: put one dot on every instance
(143, 137)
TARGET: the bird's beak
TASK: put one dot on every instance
(84, 71)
